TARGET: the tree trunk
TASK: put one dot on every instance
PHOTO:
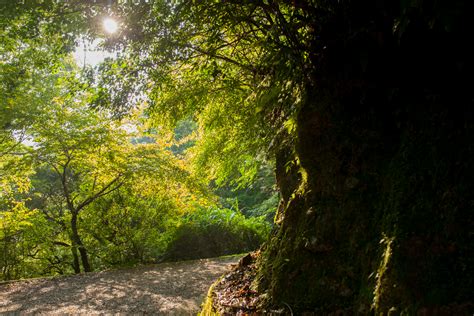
(75, 257)
(77, 244)
(378, 215)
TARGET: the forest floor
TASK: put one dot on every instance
(176, 288)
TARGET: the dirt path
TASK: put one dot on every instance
(168, 288)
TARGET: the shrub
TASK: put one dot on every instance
(215, 232)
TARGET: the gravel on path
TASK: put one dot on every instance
(163, 289)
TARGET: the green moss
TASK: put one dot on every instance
(208, 308)
(383, 283)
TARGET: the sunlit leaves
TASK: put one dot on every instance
(236, 69)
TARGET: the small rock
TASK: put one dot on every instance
(245, 261)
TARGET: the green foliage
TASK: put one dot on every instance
(34, 40)
(259, 198)
(184, 137)
(85, 192)
(215, 232)
(228, 67)
(98, 191)
(129, 228)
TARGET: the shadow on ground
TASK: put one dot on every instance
(168, 288)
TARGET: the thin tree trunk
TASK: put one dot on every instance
(78, 242)
(75, 263)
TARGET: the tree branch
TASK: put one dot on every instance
(224, 58)
(104, 191)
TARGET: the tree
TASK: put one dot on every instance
(27, 60)
(14, 217)
(66, 138)
(83, 157)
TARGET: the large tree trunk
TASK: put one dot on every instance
(77, 244)
(378, 213)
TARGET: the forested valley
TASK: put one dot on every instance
(331, 139)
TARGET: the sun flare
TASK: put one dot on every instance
(110, 25)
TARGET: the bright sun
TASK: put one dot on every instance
(110, 25)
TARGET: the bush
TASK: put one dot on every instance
(215, 232)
